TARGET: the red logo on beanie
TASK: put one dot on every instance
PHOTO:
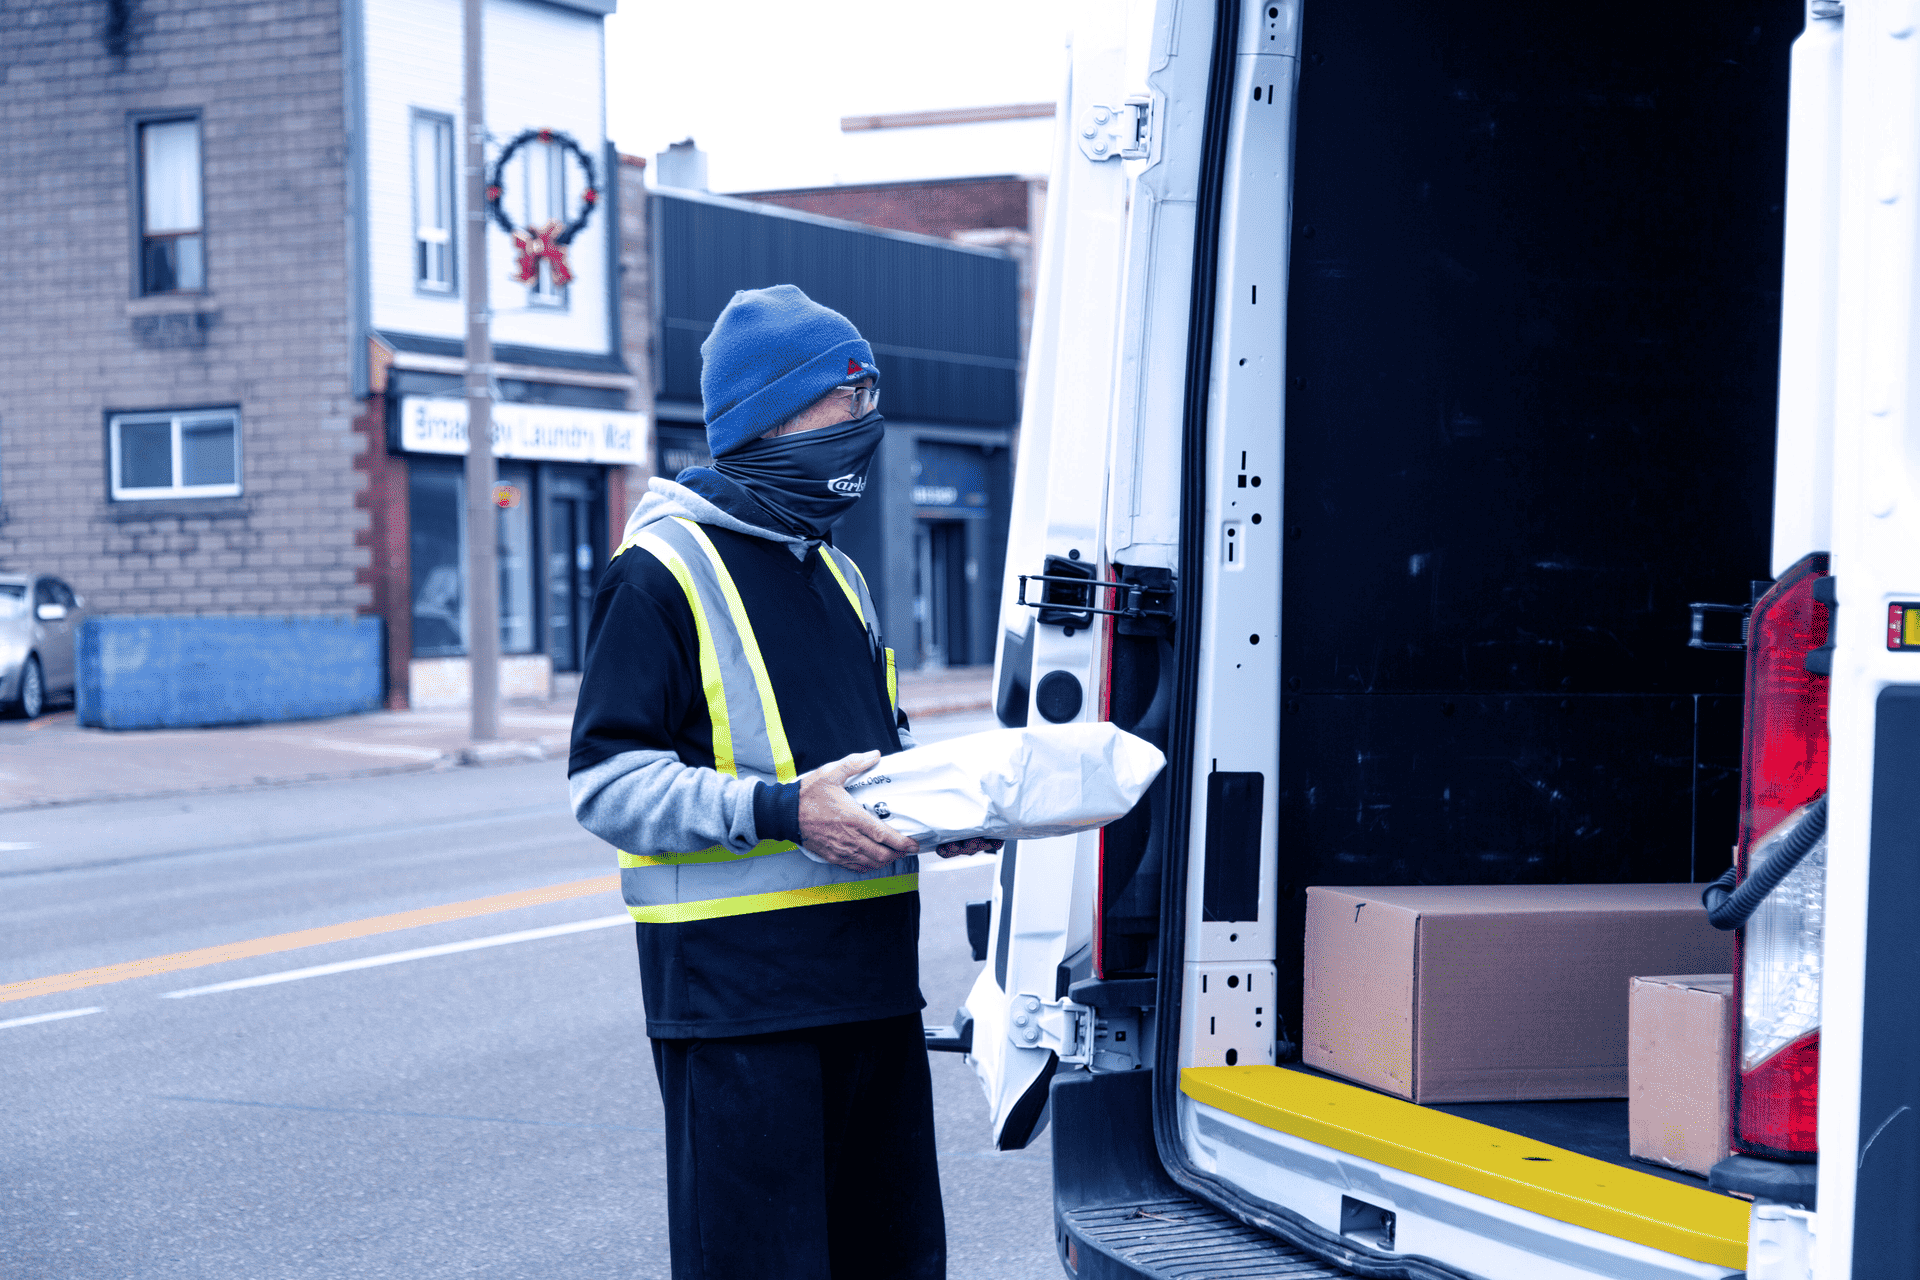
(853, 367)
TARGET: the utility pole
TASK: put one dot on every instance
(483, 578)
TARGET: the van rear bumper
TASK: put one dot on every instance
(1116, 1214)
(1425, 1173)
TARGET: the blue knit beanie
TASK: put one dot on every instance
(772, 353)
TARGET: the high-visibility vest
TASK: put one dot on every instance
(749, 741)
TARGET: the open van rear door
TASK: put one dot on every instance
(1096, 498)
(1049, 665)
(1858, 496)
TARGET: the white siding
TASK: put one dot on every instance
(545, 68)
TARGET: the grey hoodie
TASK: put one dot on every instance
(648, 801)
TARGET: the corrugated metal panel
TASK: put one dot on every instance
(944, 322)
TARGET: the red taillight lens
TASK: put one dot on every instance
(1779, 1099)
(1785, 763)
(1778, 953)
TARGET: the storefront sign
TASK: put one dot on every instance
(950, 481)
(551, 432)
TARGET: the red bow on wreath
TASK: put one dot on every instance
(535, 243)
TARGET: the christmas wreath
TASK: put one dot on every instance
(550, 241)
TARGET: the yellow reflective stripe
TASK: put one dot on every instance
(783, 770)
(714, 854)
(893, 683)
(749, 904)
(841, 578)
(710, 681)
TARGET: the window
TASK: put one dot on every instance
(437, 538)
(55, 592)
(433, 269)
(513, 497)
(172, 241)
(543, 196)
(194, 454)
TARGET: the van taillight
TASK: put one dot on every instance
(1777, 953)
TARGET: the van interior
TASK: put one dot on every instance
(1533, 340)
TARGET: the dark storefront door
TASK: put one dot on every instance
(574, 532)
(940, 592)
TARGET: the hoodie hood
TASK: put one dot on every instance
(668, 498)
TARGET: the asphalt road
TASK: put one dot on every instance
(487, 1111)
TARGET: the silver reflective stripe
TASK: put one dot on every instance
(702, 891)
(759, 739)
(668, 886)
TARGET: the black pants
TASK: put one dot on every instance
(803, 1155)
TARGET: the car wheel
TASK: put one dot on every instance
(33, 692)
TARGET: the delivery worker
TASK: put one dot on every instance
(735, 680)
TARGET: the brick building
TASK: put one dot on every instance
(944, 207)
(235, 239)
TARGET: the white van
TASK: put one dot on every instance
(1401, 375)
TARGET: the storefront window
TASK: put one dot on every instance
(436, 496)
(439, 552)
(513, 496)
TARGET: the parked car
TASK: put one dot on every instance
(39, 618)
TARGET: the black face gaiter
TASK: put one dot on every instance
(811, 479)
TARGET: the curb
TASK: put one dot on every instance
(479, 755)
(947, 706)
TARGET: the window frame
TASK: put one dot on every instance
(415, 116)
(137, 188)
(116, 492)
(555, 156)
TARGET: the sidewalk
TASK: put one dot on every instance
(53, 761)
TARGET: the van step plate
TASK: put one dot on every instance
(1185, 1240)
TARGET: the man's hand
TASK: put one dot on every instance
(960, 848)
(837, 829)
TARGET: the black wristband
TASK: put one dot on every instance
(776, 811)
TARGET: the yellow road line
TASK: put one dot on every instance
(305, 938)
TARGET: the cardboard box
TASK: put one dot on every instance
(1491, 993)
(1679, 1033)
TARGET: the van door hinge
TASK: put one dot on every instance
(1820, 661)
(1124, 132)
(1698, 639)
(1059, 1025)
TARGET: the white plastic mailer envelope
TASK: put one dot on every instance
(1011, 784)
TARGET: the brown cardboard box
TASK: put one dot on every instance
(1680, 1032)
(1491, 993)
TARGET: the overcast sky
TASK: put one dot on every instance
(761, 85)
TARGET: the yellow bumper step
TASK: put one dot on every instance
(1563, 1185)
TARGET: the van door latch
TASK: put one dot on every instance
(1124, 132)
(1067, 593)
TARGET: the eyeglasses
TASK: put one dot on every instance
(861, 401)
